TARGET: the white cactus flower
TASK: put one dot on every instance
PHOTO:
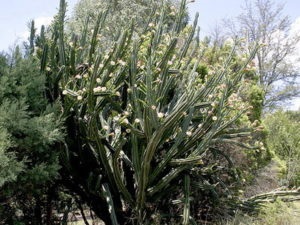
(160, 115)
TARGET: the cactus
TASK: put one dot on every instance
(138, 119)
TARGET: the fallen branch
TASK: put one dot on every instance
(253, 203)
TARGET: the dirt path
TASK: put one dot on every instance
(266, 179)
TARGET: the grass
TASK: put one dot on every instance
(81, 222)
(278, 213)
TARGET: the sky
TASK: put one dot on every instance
(16, 14)
(211, 12)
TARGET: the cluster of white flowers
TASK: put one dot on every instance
(260, 145)
(116, 118)
(222, 87)
(121, 62)
(99, 36)
(91, 69)
(160, 115)
(232, 100)
(125, 121)
(126, 113)
(173, 10)
(99, 89)
(189, 133)
(214, 104)
(78, 76)
(151, 25)
(80, 92)
(172, 13)
(214, 118)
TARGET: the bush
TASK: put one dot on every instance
(283, 140)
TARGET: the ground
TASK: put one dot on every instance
(267, 179)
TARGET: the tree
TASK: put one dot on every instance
(262, 22)
(29, 131)
(119, 13)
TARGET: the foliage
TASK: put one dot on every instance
(262, 21)
(284, 140)
(256, 97)
(119, 14)
(29, 131)
(9, 166)
(248, 94)
(278, 213)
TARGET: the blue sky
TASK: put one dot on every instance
(211, 12)
(15, 15)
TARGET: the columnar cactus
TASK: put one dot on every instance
(139, 120)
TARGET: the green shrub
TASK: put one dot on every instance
(284, 140)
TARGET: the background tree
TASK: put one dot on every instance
(262, 22)
(119, 14)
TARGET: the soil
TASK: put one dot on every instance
(265, 180)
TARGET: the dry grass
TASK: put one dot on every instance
(81, 222)
(277, 213)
